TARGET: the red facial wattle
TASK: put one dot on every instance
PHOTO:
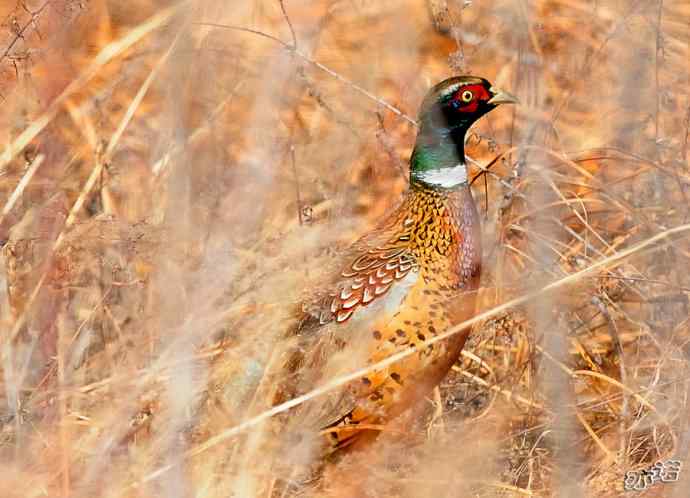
(479, 93)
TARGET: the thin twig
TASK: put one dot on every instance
(298, 194)
(20, 34)
(289, 23)
(21, 186)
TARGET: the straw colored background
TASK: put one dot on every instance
(174, 177)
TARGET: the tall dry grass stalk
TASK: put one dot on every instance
(174, 176)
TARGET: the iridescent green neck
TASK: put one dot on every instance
(437, 150)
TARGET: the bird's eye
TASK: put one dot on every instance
(466, 96)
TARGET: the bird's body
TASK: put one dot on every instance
(436, 231)
(412, 277)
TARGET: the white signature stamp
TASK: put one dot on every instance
(666, 471)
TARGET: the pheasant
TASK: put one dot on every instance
(409, 279)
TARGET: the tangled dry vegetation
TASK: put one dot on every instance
(173, 176)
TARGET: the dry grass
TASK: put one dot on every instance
(173, 176)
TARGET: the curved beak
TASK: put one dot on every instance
(502, 97)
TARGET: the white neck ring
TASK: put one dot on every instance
(444, 177)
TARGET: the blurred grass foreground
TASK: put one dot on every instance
(174, 176)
